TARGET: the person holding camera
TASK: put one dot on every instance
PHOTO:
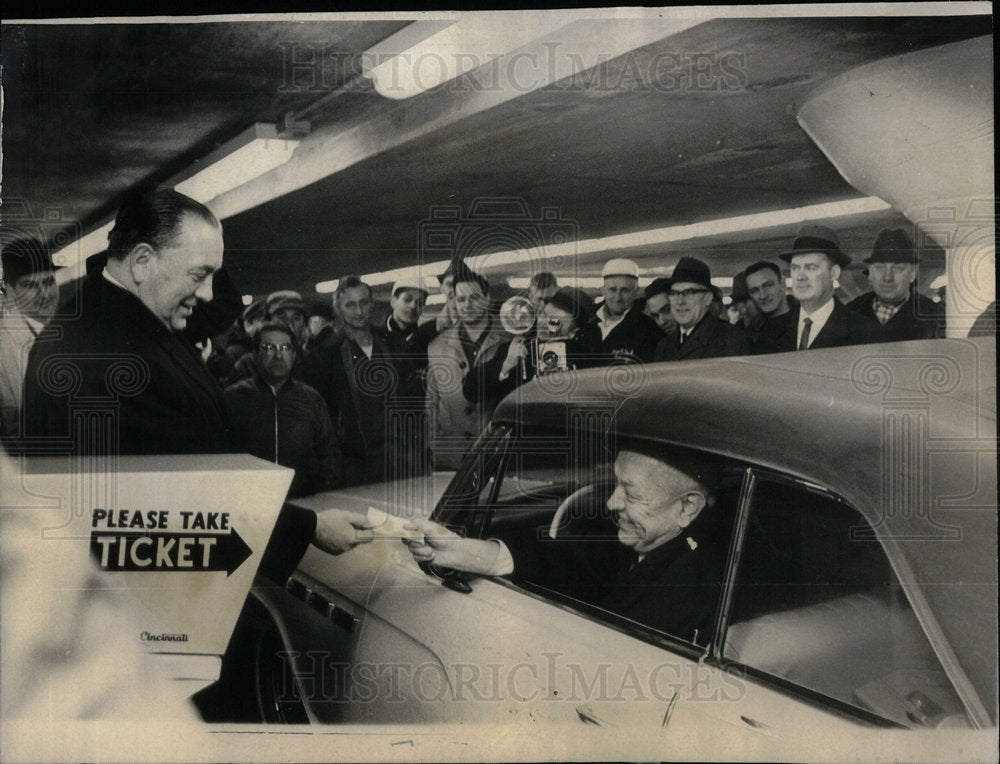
(566, 338)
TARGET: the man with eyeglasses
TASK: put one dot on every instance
(820, 320)
(29, 302)
(665, 571)
(278, 418)
(627, 333)
(699, 334)
(901, 312)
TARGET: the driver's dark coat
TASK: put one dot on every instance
(674, 589)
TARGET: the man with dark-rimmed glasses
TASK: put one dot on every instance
(698, 334)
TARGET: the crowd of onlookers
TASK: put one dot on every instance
(345, 398)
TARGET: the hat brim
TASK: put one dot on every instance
(839, 258)
(908, 261)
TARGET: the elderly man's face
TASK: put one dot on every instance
(35, 295)
(619, 293)
(650, 501)
(174, 278)
(767, 289)
(813, 274)
(407, 306)
(658, 309)
(355, 307)
(891, 281)
(470, 301)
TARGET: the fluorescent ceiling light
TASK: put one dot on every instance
(706, 228)
(255, 151)
(426, 272)
(571, 250)
(426, 54)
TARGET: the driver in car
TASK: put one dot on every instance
(665, 570)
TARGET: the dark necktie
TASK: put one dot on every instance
(806, 326)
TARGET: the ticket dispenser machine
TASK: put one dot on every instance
(181, 537)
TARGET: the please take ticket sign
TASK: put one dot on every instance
(184, 535)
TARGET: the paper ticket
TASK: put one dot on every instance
(389, 526)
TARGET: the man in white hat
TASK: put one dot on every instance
(626, 332)
(406, 339)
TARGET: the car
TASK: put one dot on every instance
(857, 487)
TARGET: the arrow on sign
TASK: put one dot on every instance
(183, 552)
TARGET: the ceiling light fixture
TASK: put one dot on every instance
(571, 250)
(255, 151)
(426, 54)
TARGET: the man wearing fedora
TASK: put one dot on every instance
(627, 333)
(699, 333)
(902, 314)
(820, 320)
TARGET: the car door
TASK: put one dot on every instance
(412, 646)
(815, 613)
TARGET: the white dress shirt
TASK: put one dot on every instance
(819, 317)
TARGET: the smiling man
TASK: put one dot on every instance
(626, 332)
(666, 569)
(119, 378)
(121, 341)
(698, 334)
(464, 348)
(766, 287)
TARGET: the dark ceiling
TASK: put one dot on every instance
(94, 110)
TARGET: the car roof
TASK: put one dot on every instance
(816, 415)
(905, 432)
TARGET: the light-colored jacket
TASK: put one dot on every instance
(455, 423)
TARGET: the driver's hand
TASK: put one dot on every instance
(443, 548)
(338, 530)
